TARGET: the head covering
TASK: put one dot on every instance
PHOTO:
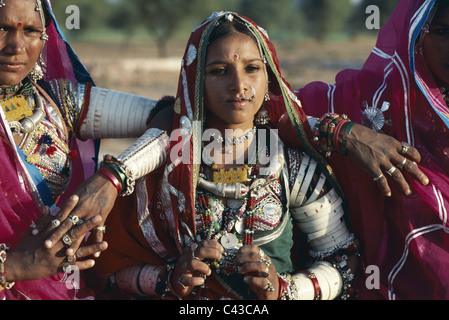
(20, 202)
(394, 92)
(153, 234)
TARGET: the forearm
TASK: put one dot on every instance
(144, 280)
(147, 154)
(111, 114)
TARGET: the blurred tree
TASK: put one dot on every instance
(357, 22)
(162, 18)
(92, 15)
(272, 15)
(325, 16)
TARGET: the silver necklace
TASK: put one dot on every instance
(29, 124)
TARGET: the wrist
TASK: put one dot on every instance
(6, 279)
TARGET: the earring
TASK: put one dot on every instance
(37, 73)
(262, 118)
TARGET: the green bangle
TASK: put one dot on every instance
(344, 142)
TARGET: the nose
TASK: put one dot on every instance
(14, 43)
(239, 84)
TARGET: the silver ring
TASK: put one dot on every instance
(102, 229)
(405, 147)
(391, 171)
(66, 239)
(74, 219)
(71, 259)
(378, 178)
(268, 287)
(266, 261)
(180, 282)
(55, 223)
(67, 267)
(402, 164)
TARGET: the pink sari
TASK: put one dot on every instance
(20, 201)
(405, 237)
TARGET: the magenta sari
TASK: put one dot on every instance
(20, 200)
(405, 237)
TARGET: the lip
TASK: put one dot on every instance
(238, 103)
(11, 66)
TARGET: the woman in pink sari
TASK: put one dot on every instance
(51, 118)
(401, 91)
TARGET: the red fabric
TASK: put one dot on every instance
(412, 265)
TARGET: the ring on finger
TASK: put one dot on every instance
(405, 147)
(391, 171)
(74, 219)
(66, 240)
(379, 177)
(269, 286)
(180, 283)
(101, 228)
(266, 261)
(67, 267)
(402, 164)
(55, 223)
(71, 259)
(265, 273)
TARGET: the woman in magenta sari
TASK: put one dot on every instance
(401, 91)
(51, 116)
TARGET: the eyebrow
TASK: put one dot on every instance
(224, 61)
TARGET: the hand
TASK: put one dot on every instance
(379, 153)
(97, 196)
(260, 273)
(190, 268)
(32, 260)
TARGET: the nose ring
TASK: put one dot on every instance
(253, 91)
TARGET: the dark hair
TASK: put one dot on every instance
(227, 27)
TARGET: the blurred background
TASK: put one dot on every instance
(136, 46)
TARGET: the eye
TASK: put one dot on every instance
(252, 68)
(32, 32)
(440, 31)
(218, 71)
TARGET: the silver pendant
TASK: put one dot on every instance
(229, 241)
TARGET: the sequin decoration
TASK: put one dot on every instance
(191, 55)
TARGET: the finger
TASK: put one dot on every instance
(79, 231)
(189, 281)
(413, 170)
(42, 222)
(383, 185)
(195, 266)
(64, 223)
(86, 264)
(86, 251)
(409, 152)
(394, 173)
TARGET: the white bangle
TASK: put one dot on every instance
(304, 285)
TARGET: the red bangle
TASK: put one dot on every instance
(316, 284)
(111, 177)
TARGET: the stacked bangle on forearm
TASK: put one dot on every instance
(3, 255)
(326, 133)
(146, 155)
